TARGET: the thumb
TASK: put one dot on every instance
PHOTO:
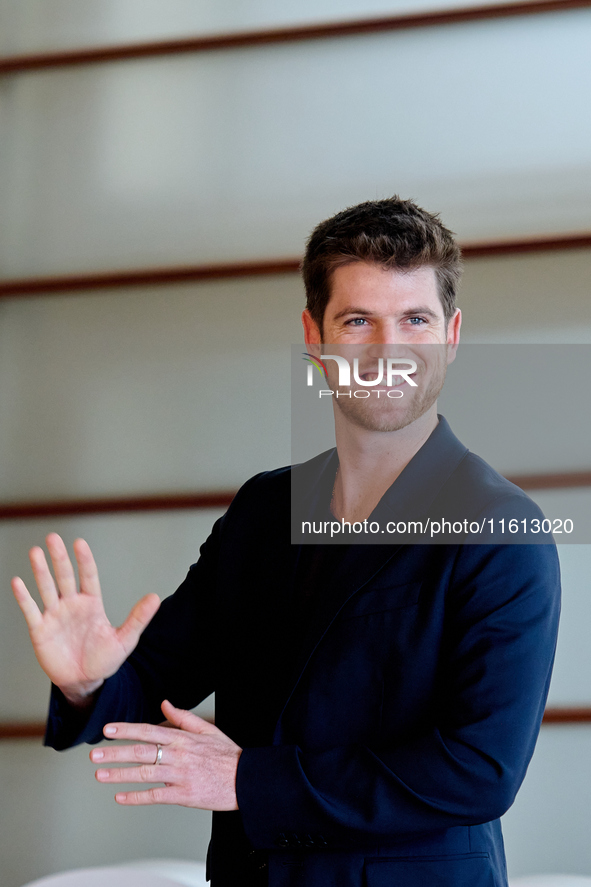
(186, 720)
(129, 633)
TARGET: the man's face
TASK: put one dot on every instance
(374, 309)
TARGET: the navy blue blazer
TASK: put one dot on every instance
(412, 705)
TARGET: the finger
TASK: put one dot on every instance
(141, 732)
(87, 570)
(129, 633)
(43, 577)
(160, 795)
(186, 720)
(143, 773)
(62, 565)
(139, 753)
(29, 608)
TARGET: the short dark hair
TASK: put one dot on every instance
(393, 233)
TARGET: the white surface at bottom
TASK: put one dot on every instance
(551, 881)
(152, 873)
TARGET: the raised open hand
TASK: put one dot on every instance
(74, 642)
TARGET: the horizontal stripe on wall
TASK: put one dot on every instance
(36, 729)
(116, 504)
(222, 498)
(68, 283)
(31, 729)
(328, 30)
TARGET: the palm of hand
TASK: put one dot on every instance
(74, 642)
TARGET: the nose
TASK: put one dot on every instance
(386, 341)
(385, 332)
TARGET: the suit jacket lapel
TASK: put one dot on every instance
(409, 498)
(358, 565)
(414, 490)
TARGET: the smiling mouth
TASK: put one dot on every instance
(397, 381)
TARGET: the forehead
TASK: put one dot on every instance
(366, 286)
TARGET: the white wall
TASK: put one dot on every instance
(43, 25)
(235, 155)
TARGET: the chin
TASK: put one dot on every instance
(382, 417)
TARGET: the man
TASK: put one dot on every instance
(376, 706)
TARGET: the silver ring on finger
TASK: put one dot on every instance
(158, 754)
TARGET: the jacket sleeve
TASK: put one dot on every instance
(466, 767)
(173, 660)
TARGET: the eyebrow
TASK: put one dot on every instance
(408, 313)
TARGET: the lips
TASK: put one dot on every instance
(372, 375)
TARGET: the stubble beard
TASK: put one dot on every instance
(384, 413)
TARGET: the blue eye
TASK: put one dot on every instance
(421, 319)
(356, 321)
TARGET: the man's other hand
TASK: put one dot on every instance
(75, 644)
(196, 762)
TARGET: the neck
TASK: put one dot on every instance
(370, 462)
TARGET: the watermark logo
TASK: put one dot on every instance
(314, 362)
(385, 372)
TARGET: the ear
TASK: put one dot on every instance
(453, 335)
(311, 331)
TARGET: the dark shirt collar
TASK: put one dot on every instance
(409, 496)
